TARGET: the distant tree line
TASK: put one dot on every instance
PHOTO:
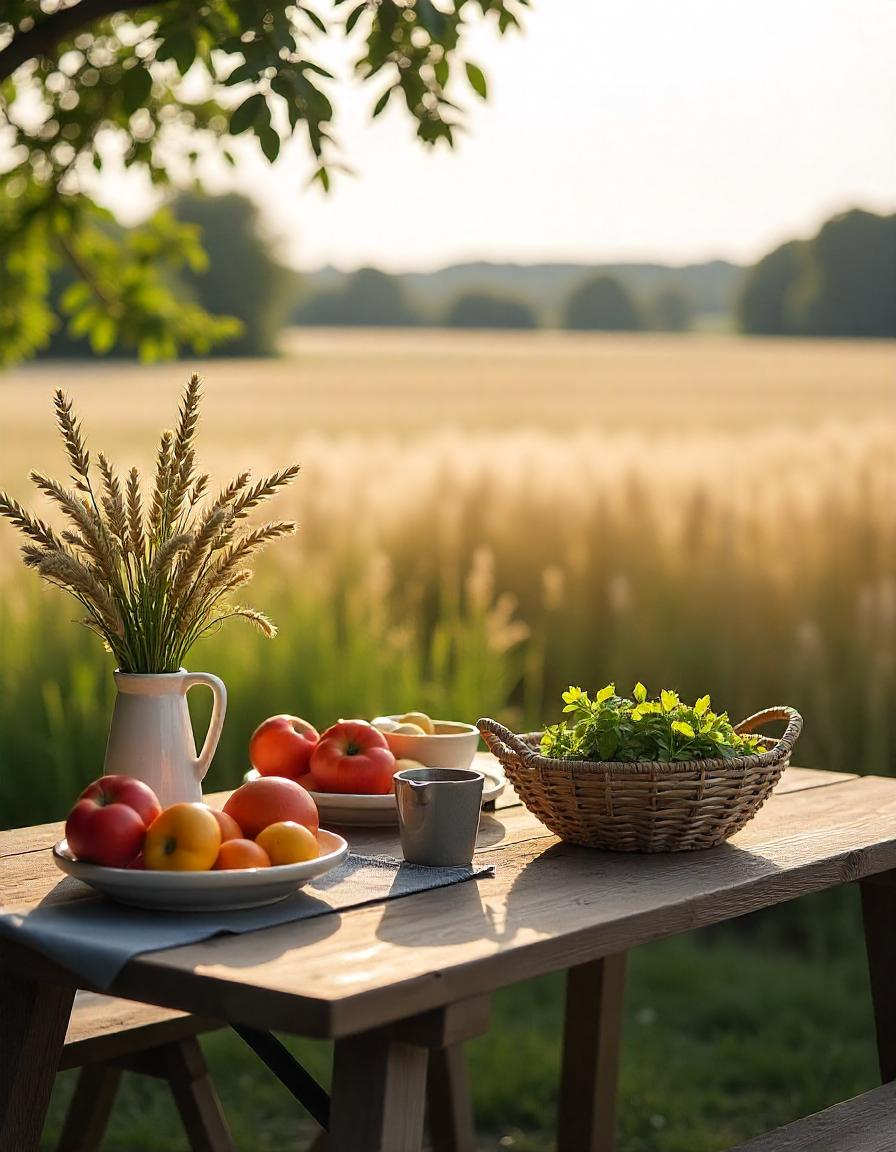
(600, 302)
(842, 282)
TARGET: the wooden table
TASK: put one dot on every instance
(389, 981)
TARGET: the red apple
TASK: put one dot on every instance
(353, 756)
(109, 820)
(282, 746)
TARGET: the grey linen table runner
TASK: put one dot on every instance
(94, 938)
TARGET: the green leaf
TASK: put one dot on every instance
(315, 20)
(248, 112)
(136, 86)
(179, 47)
(241, 74)
(103, 334)
(322, 177)
(310, 66)
(353, 17)
(76, 296)
(83, 321)
(477, 80)
(382, 102)
(269, 140)
(628, 730)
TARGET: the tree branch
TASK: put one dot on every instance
(85, 274)
(43, 37)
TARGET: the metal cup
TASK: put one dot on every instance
(438, 814)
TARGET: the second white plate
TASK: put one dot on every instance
(351, 809)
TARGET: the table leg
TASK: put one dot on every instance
(380, 1083)
(591, 1049)
(197, 1101)
(450, 1107)
(90, 1108)
(33, 1020)
(879, 915)
(378, 1095)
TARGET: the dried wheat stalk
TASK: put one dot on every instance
(152, 582)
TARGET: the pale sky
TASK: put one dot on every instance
(631, 129)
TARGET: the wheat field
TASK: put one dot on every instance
(484, 519)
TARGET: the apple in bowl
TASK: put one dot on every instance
(353, 757)
(108, 823)
(282, 746)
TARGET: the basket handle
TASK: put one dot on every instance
(767, 716)
(501, 741)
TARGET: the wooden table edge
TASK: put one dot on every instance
(145, 979)
(335, 1017)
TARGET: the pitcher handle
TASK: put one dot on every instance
(215, 725)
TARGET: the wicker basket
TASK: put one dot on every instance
(646, 806)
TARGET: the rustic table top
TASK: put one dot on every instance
(549, 907)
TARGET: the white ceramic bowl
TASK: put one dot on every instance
(203, 891)
(453, 746)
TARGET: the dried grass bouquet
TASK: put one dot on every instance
(152, 583)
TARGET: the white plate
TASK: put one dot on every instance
(203, 891)
(379, 811)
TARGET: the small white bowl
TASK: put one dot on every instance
(453, 746)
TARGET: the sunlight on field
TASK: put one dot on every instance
(484, 520)
(487, 518)
(359, 383)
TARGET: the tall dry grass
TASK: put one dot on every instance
(469, 570)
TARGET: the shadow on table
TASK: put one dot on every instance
(491, 830)
(467, 918)
(621, 887)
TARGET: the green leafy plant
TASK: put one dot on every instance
(628, 729)
(151, 582)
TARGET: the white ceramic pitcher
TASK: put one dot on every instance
(151, 737)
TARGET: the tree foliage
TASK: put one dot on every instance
(840, 283)
(671, 309)
(484, 310)
(368, 298)
(602, 303)
(158, 87)
(766, 299)
(243, 279)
